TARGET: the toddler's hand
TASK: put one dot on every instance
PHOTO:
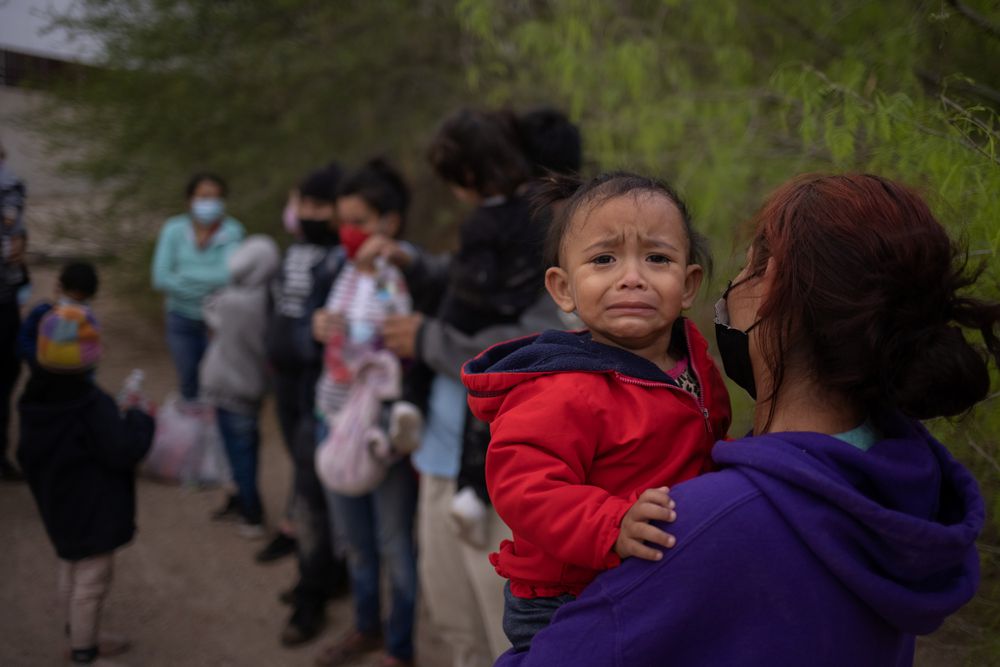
(652, 505)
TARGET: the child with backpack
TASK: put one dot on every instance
(77, 284)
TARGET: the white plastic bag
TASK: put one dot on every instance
(187, 446)
(353, 458)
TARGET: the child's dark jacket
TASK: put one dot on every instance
(79, 456)
(580, 430)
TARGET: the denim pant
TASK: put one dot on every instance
(523, 618)
(187, 340)
(378, 528)
(242, 440)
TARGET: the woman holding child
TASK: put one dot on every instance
(840, 528)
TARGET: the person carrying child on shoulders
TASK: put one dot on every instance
(79, 455)
(590, 427)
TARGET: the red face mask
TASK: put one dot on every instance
(352, 238)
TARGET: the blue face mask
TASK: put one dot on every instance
(207, 210)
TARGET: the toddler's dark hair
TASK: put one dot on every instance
(381, 186)
(869, 291)
(206, 176)
(321, 184)
(571, 194)
(480, 150)
(550, 141)
(79, 278)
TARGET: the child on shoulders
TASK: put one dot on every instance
(77, 284)
(79, 454)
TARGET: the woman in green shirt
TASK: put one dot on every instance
(190, 263)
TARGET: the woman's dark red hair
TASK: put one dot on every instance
(866, 293)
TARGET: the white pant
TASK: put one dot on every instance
(464, 593)
(83, 585)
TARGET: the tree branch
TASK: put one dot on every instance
(962, 85)
(975, 18)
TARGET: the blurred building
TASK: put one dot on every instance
(33, 56)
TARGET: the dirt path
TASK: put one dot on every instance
(187, 591)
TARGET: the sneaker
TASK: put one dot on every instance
(469, 518)
(405, 427)
(282, 545)
(231, 511)
(305, 623)
(108, 646)
(287, 597)
(348, 648)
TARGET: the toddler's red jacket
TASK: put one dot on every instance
(579, 431)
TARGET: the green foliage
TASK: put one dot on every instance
(258, 90)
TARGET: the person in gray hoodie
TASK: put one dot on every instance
(234, 375)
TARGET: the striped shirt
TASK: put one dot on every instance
(364, 300)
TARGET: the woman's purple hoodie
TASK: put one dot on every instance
(803, 550)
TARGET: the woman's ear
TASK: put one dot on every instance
(557, 284)
(692, 281)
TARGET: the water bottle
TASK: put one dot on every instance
(385, 291)
(131, 395)
(361, 338)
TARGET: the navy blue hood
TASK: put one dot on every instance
(560, 351)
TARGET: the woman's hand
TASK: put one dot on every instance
(381, 245)
(324, 323)
(652, 505)
(399, 333)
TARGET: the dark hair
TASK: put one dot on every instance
(381, 186)
(321, 184)
(867, 285)
(79, 277)
(203, 176)
(480, 150)
(550, 141)
(573, 194)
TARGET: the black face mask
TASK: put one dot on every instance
(734, 347)
(318, 232)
